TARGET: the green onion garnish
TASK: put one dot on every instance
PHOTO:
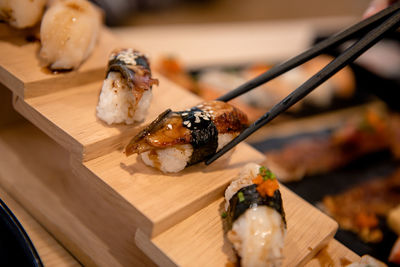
(266, 174)
(263, 171)
(270, 175)
(241, 196)
(224, 215)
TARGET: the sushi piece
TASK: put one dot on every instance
(367, 261)
(179, 139)
(126, 92)
(359, 135)
(394, 256)
(393, 220)
(256, 217)
(68, 33)
(22, 13)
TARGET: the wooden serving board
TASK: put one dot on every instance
(95, 207)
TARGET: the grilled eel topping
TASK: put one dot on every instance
(198, 126)
(134, 68)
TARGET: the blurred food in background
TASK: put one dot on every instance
(360, 208)
(360, 134)
(216, 81)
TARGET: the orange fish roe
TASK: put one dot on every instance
(268, 188)
(267, 185)
(258, 180)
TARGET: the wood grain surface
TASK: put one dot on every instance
(162, 200)
(88, 219)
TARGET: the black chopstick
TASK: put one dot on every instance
(353, 31)
(349, 55)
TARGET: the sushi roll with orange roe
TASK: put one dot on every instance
(179, 139)
(256, 217)
(126, 93)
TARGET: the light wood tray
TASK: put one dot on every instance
(107, 209)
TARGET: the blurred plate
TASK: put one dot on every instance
(16, 249)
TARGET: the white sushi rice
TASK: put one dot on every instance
(175, 159)
(172, 159)
(258, 237)
(117, 103)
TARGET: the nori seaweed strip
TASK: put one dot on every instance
(204, 134)
(251, 198)
(142, 61)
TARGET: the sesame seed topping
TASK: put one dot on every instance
(169, 126)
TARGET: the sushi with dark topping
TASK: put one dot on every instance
(177, 139)
(256, 217)
(126, 92)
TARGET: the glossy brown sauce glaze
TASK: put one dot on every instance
(167, 132)
(170, 131)
(226, 117)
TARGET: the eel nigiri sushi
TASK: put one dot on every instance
(126, 92)
(68, 33)
(22, 13)
(179, 139)
(256, 217)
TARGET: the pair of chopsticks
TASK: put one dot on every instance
(370, 31)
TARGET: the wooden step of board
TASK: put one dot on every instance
(200, 241)
(69, 117)
(89, 221)
(21, 70)
(161, 200)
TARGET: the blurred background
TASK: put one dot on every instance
(159, 12)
